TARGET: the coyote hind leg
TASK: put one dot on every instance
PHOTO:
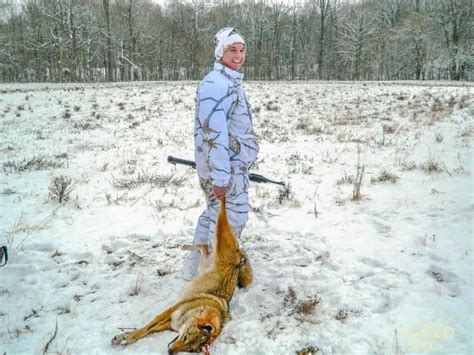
(203, 248)
(205, 260)
(160, 323)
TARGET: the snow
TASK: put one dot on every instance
(389, 273)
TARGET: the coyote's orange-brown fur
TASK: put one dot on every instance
(204, 309)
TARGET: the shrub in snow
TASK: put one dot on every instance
(33, 164)
(285, 194)
(359, 179)
(60, 188)
(145, 177)
(385, 175)
(439, 137)
(309, 350)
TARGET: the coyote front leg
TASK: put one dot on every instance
(160, 323)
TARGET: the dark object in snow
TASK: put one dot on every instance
(310, 350)
(252, 177)
(3, 254)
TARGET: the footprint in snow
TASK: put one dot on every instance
(382, 228)
(447, 281)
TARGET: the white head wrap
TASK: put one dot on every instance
(224, 38)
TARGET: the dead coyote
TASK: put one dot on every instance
(204, 309)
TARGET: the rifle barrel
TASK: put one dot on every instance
(252, 177)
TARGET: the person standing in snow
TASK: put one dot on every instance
(226, 146)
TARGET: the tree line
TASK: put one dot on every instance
(127, 40)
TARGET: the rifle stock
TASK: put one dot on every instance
(175, 161)
(253, 177)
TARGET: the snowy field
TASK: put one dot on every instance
(387, 272)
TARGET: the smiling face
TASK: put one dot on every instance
(234, 56)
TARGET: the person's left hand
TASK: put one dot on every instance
(219, 191)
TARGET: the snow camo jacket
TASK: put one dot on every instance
(223, 132)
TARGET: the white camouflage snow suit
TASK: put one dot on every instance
(226, 147)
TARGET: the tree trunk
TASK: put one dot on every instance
(132, 39)
(109, 64)
(323, 12)
(293, 46)
(418, 61)
(72, 28)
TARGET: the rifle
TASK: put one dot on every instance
(3, 254)
(252, 177)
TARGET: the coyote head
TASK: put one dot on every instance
(197, 332)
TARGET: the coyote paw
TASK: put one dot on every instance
(122, 339)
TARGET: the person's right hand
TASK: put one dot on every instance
(219, 191)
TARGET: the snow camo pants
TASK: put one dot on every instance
(237, 210)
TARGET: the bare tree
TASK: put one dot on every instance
(356, 33)
(324, 9)
(455, 16)
(73, 36)
(294, 31)
(108, 48)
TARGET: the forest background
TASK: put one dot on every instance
(129, 40)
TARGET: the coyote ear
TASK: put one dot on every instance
(207, 328)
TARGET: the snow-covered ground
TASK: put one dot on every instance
(390, 273)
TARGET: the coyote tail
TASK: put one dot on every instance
(225, 239)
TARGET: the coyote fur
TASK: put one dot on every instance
(200, 315)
